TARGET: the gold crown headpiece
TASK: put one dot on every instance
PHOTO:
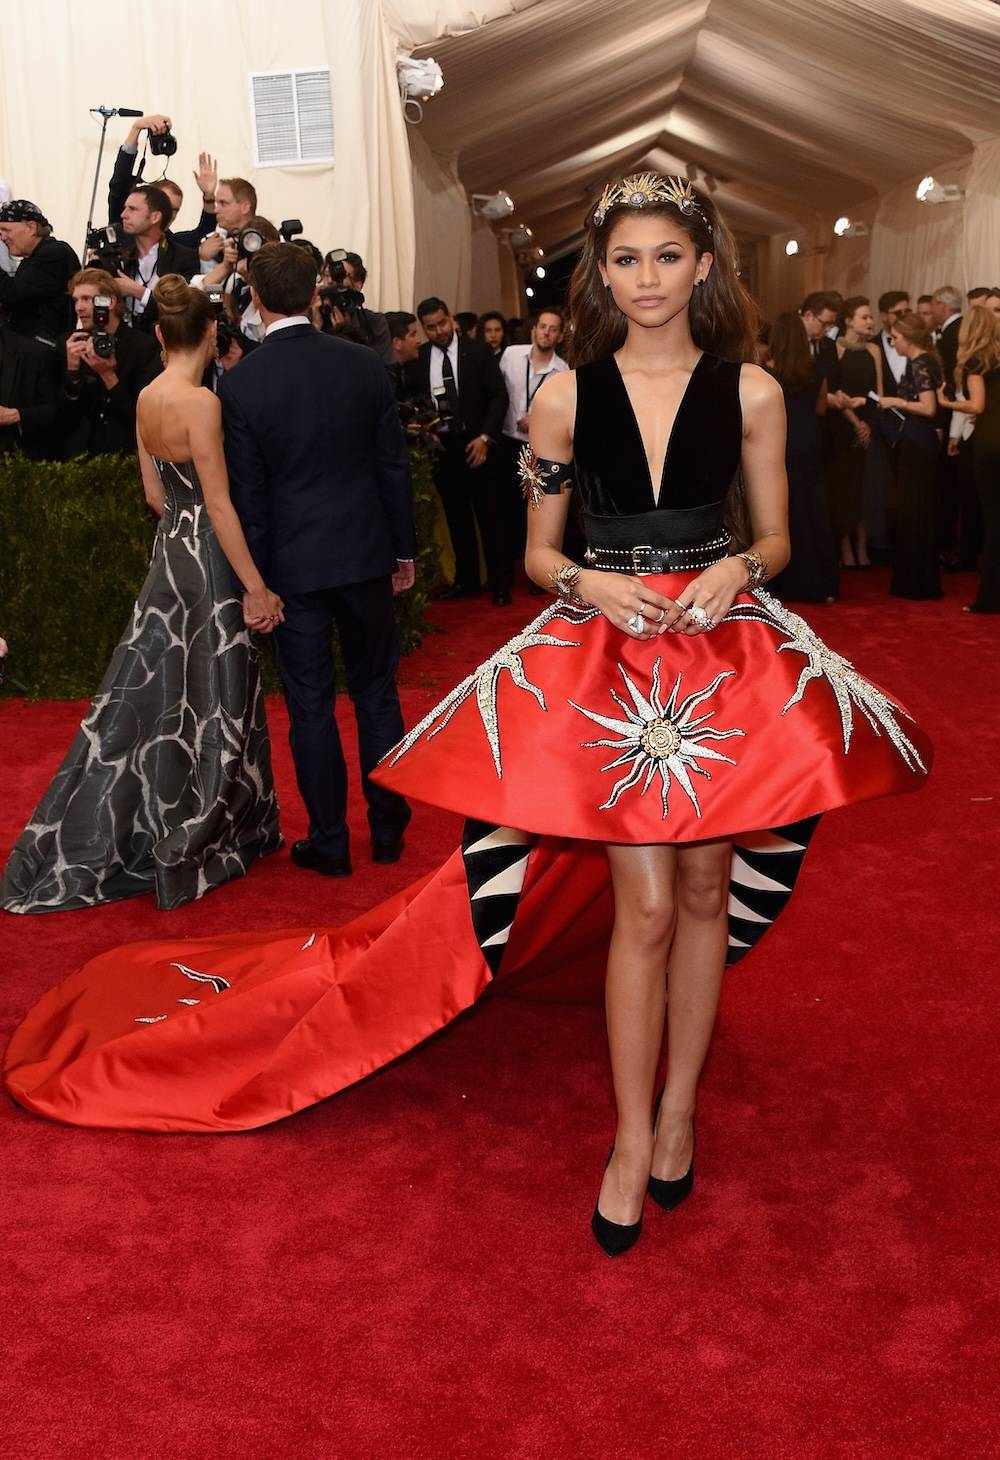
(643, 188)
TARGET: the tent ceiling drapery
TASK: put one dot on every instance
(801, 111)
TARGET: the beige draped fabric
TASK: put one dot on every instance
(801, 111)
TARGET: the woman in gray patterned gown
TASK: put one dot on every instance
(167, 786)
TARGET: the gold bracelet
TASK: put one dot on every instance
(564, 579)
(757, 573)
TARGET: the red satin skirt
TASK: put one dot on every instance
(571, 736)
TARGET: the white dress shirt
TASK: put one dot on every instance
(523, 380)
(147, 275)
(286, 323)
(897, 362)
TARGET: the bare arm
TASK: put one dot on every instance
(205, 436)
(151, 485)
(975, 402)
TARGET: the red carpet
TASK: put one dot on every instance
(407, 1269)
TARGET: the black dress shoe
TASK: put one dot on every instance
(389, 851)
(670, 1194)
(501, 600)
(614, 1238)
(304, 854)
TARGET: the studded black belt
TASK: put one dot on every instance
(645, 559)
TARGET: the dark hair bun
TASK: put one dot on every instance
(173, 295)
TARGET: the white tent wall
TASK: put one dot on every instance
(57, 61)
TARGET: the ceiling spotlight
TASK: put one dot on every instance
(530, 292)
(792, 247)
(539, 272)
(929, 190)
(493, 205)
(844, 228)
(521, 235)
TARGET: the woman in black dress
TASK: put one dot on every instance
(916, 569)
(977, 377)
(852, 429)
(811, 576)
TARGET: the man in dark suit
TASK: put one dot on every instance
(29, 385)
(34, 298)
(100, 390)
(462, 376)
(892, 305)
(150, 252)
(320, 477)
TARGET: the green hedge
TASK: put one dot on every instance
(75, 540)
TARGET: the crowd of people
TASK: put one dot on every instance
(893, 424)
(893, 449)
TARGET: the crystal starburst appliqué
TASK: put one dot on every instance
(660, 739)
(850, 689)
(484, 681)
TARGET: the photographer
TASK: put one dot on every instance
(405, 339)
(231, 344)
(106, 366)
(230, 274)
(124, 179)
(34, 299)
(342, 306)
(235, 208)
(150, 253)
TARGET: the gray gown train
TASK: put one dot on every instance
(167, 786)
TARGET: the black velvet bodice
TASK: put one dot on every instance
(703, 453)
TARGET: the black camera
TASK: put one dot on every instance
(289, 228)
(225, 332)
(421, 419)
(102, 341)
(339, 293)
(162, 144)
(105, 245)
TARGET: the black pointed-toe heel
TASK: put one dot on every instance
(670, 1194)
(614, 1238)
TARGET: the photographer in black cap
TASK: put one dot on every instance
(106, 365)
(34, 299)
(150, 253)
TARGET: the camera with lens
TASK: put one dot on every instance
(338, 292)
(248, 242)
(101, 339)
(105, 245)
(162, 144)
(225, 332)
(421, 419)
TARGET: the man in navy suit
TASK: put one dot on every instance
(320, 476)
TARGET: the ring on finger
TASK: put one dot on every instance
(663, 614)
(700, 616)
(636, 623)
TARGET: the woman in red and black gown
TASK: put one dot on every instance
(642, 766)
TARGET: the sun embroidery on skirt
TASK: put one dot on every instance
(484, 681)
(851, 690)
(660, 739)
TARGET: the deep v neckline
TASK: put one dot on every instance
(656, 491)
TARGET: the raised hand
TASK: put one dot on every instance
(206, 175)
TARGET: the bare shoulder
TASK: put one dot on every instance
(559, 395)
(760, 392)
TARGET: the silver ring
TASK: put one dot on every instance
(636, 623)
(663, 614)
(700, 616)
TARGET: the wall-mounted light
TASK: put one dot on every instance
(792, 247)
(539, 272)
(419, 80)
(845, 228)
(493, 205)
(929, 190)
(521, 235)
(530, 292)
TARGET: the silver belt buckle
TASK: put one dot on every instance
(642, 547)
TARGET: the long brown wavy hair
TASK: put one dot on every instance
(979, 341)
(790, 357)
(724, 319)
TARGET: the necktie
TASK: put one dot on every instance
(814, 346)
(451, 388)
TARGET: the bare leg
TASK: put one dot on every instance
(864, 561)
(697, 964)
(635, 996)
(847, 559)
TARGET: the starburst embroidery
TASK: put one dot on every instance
(850, 689)
(660, 739)
(532, 477)
(484, 681)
